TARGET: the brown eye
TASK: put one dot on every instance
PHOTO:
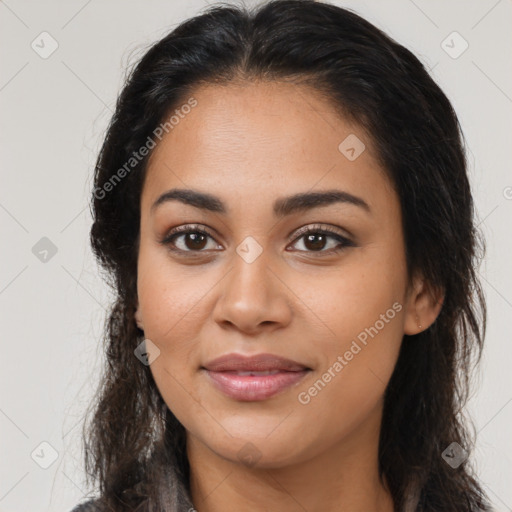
(188, 239)
(315, 239)
(194, 241)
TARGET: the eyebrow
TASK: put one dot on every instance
(282, 207)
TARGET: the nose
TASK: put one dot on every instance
(253, 297)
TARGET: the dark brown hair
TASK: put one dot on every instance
(134, 446)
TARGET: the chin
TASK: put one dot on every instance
(259, 451)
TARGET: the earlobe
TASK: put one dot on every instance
(423, 307)
(138, 317)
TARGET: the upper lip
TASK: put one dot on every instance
(259, 362)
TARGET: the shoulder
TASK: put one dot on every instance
(88, 506)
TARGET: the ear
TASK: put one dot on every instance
(138, 316)
(423, 304)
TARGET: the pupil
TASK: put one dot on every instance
(195, 237)
(320, 241)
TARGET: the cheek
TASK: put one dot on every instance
(168, 306)
(362, 317)
(170, 303)
(353, 380)
(354, 297)
(169, 295)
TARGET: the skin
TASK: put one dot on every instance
(250, 144)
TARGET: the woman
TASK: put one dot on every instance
(282, 204)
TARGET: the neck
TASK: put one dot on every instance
(345, 478)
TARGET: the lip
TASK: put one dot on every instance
(258, 362)
(223, 373)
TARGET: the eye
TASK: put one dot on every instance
(188, 238)
(316, 237)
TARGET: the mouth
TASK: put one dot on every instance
(254, 378)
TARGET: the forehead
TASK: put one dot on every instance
(263, 139)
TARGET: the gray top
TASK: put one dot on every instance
(87, 506)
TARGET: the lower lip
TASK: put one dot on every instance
(254, 387)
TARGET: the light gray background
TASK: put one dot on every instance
(54, 113)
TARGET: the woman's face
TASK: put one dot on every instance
(255, 285)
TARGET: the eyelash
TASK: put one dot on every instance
(168, 240)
